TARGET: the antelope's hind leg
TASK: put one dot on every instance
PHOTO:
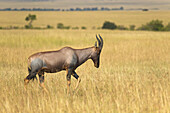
(78, 79)
(41, 81)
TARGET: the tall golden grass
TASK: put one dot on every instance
(133, 76)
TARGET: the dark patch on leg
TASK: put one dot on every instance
(78, 79)
(29, 70)
(34, 78)
(68, 75)
(75, 75)
(41, 77)
(31, 75)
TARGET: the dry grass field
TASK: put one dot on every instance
(134, 75)
(87, 19)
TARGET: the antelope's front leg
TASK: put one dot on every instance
(41, 82)
(68, 76)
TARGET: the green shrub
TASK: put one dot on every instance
(75, 27)
(143, 27)
(38, 28)
(28, 27)
(83, 27)
(49, 27)
(109, 25)
(132, 27)
(66, 27)
(167, 28)
(154, 25)
(121, 27)
(60, 26)
(15, 27)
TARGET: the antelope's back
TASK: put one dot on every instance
(56, 60)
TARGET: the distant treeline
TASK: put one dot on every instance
(70, 9)
(154, 25)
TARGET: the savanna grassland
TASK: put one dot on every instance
(134, 75)
(79, 19)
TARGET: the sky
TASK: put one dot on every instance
(91, 0)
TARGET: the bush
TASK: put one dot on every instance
(83, 27)
(167, 28)
(60, 26)
(109, 25)
(154, 25)
(28, 27)
(49, 27)
(38, 28)
(75, 27)
(121, 27)
(66, 27)
(132, 27)
(15, 27)
(143, 27)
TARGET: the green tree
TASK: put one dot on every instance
(30, 18)
(154, 25)
(109, 25)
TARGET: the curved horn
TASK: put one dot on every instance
(101, 41)
(95, 44)
(98, 41)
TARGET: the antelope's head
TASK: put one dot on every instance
(95, 56)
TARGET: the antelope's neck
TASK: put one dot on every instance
(84, 54)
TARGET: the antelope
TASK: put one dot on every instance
(66, 58)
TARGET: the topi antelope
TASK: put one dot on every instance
(66, 58)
